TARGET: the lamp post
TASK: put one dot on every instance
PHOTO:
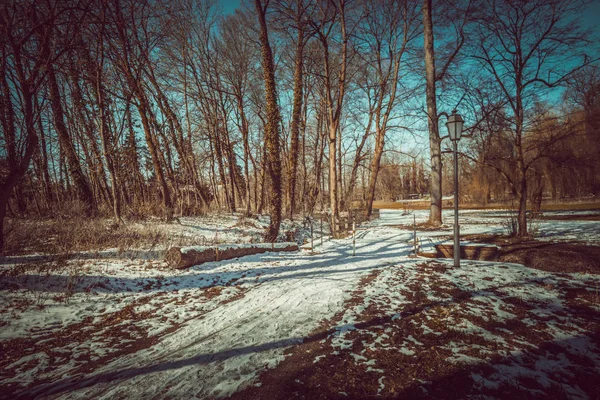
(455, 126)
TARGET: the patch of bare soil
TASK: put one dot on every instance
(423, 351)
(551, 257)
(555, 257)
(118, 331)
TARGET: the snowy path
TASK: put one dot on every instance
(136, 329)
(285, 296)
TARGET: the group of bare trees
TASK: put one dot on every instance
(135, 107)
(517, 54)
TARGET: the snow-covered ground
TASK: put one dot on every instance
(496, 222)
(132, 328)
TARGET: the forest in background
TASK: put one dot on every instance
(134, 108)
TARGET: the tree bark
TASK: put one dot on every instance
(295, 125)
(272, 125)
(379, 145)
(435, 187)
(82, 186)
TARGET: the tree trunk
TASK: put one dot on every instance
(4, 196)
(333, 194)
(379, 145)
(435, 187)
(357, 159)
(246, 143)
(522, 216)
(105, 136)
(295, 125)
(272, 126)
(143, 111)
(82, 186)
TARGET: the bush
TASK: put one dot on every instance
(511, 224)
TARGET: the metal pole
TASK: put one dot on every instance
(456, 227)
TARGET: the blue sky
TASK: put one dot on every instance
(592, 16)
(229, 5)
(588, 19)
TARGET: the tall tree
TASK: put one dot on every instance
(79, 179)
(389, 28)
(129, 50)
(333, 13)
(26, 33)
(297, 15)
(272, 126)
(433, 76)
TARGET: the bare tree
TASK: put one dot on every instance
(433, 76)
(130, 50)
(296, 14)
(584, 92)
(26, 30)
(526, 47)
(272, 126)
(388, 30)
(333, 13)
(80, 181)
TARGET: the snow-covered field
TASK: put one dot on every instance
(132, 328)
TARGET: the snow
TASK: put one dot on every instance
(218, 325)
(233, 246)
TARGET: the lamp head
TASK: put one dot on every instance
(455, 126)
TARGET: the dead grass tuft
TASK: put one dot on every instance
(555, 257)
(59, 236)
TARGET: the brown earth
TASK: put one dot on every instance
(312, 371)
(552, 257)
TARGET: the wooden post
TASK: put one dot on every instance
(353, 239)
(321, 230)
(312, 243)
(415, 233)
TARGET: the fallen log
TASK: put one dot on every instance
(185, 257)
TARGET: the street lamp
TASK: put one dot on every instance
(455, 126)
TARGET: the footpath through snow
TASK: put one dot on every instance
(217, 343)
(137, 329)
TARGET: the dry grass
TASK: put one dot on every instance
(555, 257)
(65, 236)
(551, 257)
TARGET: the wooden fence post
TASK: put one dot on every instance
(353, 239)
(312, 243)
(321, 230)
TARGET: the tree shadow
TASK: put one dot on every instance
(436, 388)
(204, 276)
